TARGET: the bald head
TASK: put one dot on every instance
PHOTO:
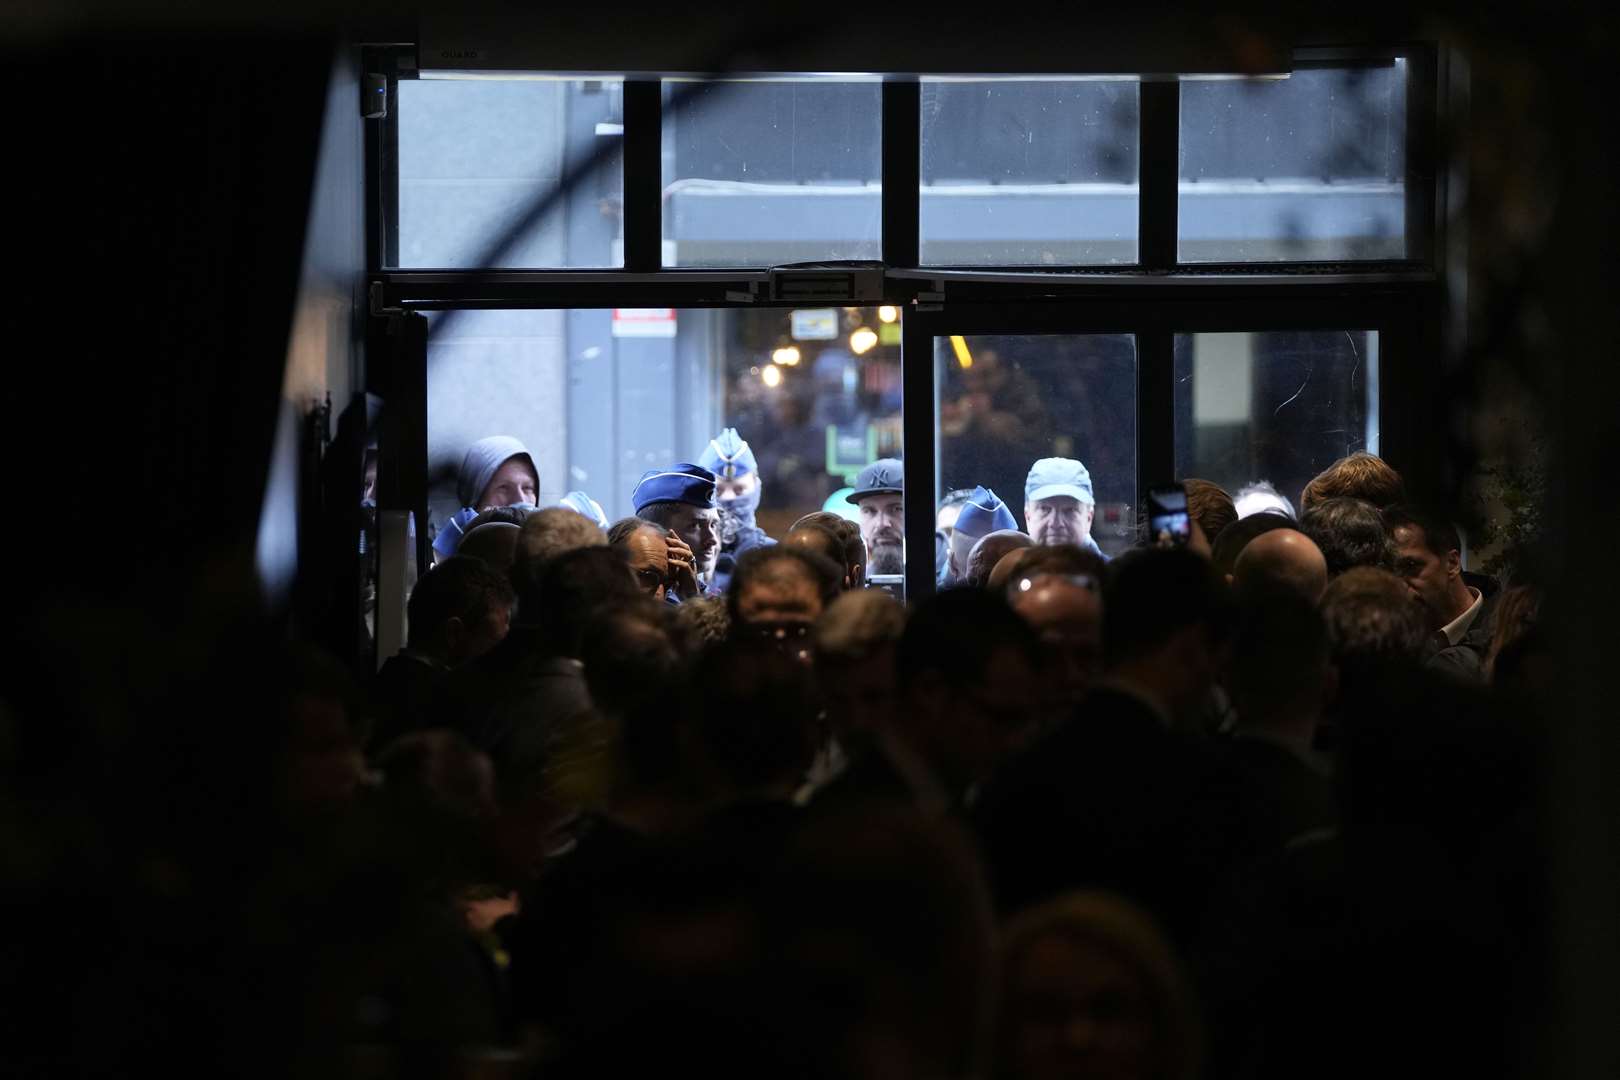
(1052, 601)
(1282, 558)
(1009, 564)
(990, 549)
(1068, 618)
(819, 540)
(494, 541)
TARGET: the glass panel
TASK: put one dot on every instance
(599, 397)
(766, 173)
(1029, 173)
(1276, 407)
(475, 154)
(1007, 401)
(1307, 168)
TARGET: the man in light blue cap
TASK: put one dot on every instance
(737, 493)
(496, 471)
(681, 499)
(981, 514)
(1059, 504)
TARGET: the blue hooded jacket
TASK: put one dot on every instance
(478, 466)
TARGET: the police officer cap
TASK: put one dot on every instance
(682, 482)
(883, 475)
(984, 513)
(728, 455)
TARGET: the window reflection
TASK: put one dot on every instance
(1029, 173)
(769, 172)
(474, 154)
(1274, 407)
(1308, 168)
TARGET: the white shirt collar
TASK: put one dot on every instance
(1458, 628)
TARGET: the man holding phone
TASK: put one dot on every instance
(681, 499)
(1059, 504)
(1169, 524)
(660, 560)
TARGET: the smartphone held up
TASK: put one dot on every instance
(1168, 523)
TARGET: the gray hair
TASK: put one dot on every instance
(547, 534)
(857, 624)
(621, 531)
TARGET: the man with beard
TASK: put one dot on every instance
(737, 492)
(879, 495)
(1059, 504)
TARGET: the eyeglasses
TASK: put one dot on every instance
(776, 632)
(1020, 585)
(787, 637)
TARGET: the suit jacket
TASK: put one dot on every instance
(1115, 800)
(526, 707)
(884, 770)
(408, 695)
(1466, 659)
(1283, 796)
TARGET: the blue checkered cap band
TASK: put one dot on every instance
(984, 513)
(728, 455)
(682, 482)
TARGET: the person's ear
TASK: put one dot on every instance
(857, 576)
(931, 692)
(1453, 563)
(1330, 683)
(455, 635)
(1191, 648)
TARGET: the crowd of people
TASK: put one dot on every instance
(707, 509)
(665, 793)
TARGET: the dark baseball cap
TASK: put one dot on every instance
(882, 476)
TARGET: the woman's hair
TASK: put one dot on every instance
(1516, 612)
(1210, 506)
(1128, 934)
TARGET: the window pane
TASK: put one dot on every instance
(476, 154)
(1029, 173)
(1007, 401)
(601, 396)
(766, 173)
(1276, 407)
(1307, 168)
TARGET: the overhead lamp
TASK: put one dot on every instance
(862, 341)
(772, 375)
(786, 356)
(888, 313)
